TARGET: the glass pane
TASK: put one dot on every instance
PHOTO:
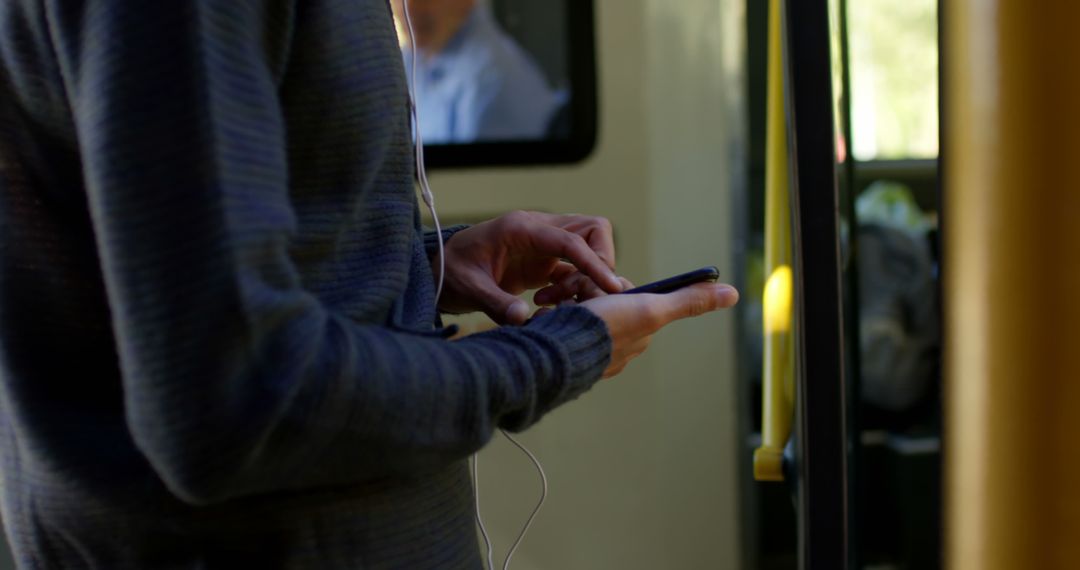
(894, 69)
(488, 71)
(896, 449)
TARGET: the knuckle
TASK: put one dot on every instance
(602, 222)
(606, 258)
(515, 219)
(653, 317)
(698, 302)
(698, 306)
(575, 243)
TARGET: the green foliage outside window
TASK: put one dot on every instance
(894, 78)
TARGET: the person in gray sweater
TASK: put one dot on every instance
(218, 333)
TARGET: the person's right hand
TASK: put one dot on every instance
(632, 319)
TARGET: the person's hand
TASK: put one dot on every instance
(632, 319)
(488, 265)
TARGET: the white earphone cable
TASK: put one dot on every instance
(421, 171)
(429, 200)
(474, 461)
(539, 504)
(536, 510)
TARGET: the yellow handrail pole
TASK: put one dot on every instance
(1012, 284)
(778, 384)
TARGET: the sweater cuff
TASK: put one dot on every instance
(431, 238)
(587, 344)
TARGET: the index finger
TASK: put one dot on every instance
(596, 231)
(558, 242)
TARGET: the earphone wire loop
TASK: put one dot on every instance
(539, 504)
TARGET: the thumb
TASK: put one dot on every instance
(699, 299)
(500, 306)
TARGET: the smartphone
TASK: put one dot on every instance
(705, 274)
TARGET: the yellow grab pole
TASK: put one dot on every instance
(1012, 284)
(778, 383)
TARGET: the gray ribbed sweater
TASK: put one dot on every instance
(217, 346)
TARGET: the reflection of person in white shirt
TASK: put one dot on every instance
(474, 83)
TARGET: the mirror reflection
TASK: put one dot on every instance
(487, 70)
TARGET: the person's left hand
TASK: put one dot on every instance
(488, 265)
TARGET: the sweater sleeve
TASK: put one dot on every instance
(431, 244)
(236, 379)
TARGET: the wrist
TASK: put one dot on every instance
(583, 335)
(431, 241)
